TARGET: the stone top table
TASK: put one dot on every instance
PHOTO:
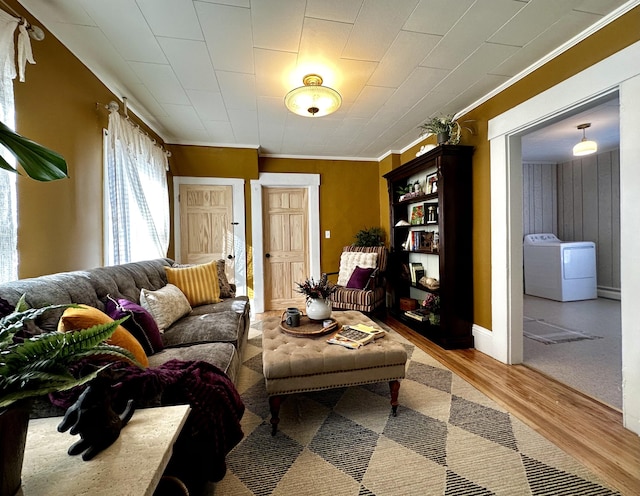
(132, 465)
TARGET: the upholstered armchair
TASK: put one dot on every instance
(361, 283)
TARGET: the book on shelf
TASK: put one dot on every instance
(417, 271)
(418, 314)
(355, 336)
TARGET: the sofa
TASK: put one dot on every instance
(215, 333)
(209, 334)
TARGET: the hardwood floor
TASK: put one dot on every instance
(588, 430)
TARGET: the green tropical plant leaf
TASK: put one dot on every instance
(40, 163)
(50, 384)
(41, 364)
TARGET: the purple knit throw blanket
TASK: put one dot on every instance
(213, 427)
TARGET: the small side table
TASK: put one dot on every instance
(133, 465)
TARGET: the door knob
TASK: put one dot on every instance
(268, 255)
(230, 257)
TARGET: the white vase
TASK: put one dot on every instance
(318, 308)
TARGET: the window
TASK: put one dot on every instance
(136, 195)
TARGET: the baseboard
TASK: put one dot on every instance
(482, 339)
(610, 293)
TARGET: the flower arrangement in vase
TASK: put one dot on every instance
(432, 303)
(317, 295)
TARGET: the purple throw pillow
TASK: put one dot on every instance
(140, 323)
(359, 278)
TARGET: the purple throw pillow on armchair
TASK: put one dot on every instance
(359, 278)
(140, 323)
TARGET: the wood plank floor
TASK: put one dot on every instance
(588, 430)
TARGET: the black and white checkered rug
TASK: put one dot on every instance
(448, 439)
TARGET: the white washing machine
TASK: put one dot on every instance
(557, 270)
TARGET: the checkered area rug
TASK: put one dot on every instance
(447, 439)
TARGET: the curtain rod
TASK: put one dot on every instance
(35, 32)
(113, 106)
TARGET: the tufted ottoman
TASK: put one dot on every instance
(294, 364)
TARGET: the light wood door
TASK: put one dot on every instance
(206, 225)
(286, 226)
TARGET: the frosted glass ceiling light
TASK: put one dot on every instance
(585, 147)
(313, 99)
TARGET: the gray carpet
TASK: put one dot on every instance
(448, 439)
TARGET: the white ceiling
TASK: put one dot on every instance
(216, 72)
(554, 142)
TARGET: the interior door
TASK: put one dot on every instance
(286, 227)
(206, 225)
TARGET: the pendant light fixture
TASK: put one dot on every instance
(585, 147)
(313, 99)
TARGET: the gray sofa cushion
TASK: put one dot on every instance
(222, 355)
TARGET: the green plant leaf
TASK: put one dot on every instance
(40, 163)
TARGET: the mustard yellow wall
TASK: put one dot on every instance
(349, 199)
(60, 223)
(609, 40)
(203, 161)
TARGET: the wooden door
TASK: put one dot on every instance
(206, 225)
(286, 226)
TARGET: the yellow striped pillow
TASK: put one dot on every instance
(199, 283)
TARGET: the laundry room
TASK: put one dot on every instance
(571, 251)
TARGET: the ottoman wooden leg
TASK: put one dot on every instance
(394, 386)
(274, 407)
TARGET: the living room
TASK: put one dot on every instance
(61, 105)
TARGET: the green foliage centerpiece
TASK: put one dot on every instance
(317, 295)
(446, 129)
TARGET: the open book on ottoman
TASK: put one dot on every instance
(355, 336)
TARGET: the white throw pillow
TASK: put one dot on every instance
(166, 305)
(349, 260)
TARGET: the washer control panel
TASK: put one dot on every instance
(531, 239)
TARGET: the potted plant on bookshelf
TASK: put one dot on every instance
(317, 295)
(33, 365)
(446, 129)
(432, 303)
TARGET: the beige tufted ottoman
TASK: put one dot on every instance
(294, 364)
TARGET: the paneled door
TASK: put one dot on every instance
(285, 231)
(206, 225)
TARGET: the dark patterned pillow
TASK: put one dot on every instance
(226, 291)
(140, 323)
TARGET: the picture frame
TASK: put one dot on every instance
(432, 183)
(417, 215)
(426, 241)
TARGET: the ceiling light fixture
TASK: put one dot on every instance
(313, 99)
(585, 147)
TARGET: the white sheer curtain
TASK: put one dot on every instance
(8, 206)
(137, 221)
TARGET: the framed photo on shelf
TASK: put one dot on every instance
(432, 183)
(426, 241)
(417, 214)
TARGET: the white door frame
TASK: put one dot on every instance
(619, 72)
(312, 183)
(239, 237)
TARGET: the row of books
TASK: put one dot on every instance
(419, 240)
(419, 314)
(417, 271)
